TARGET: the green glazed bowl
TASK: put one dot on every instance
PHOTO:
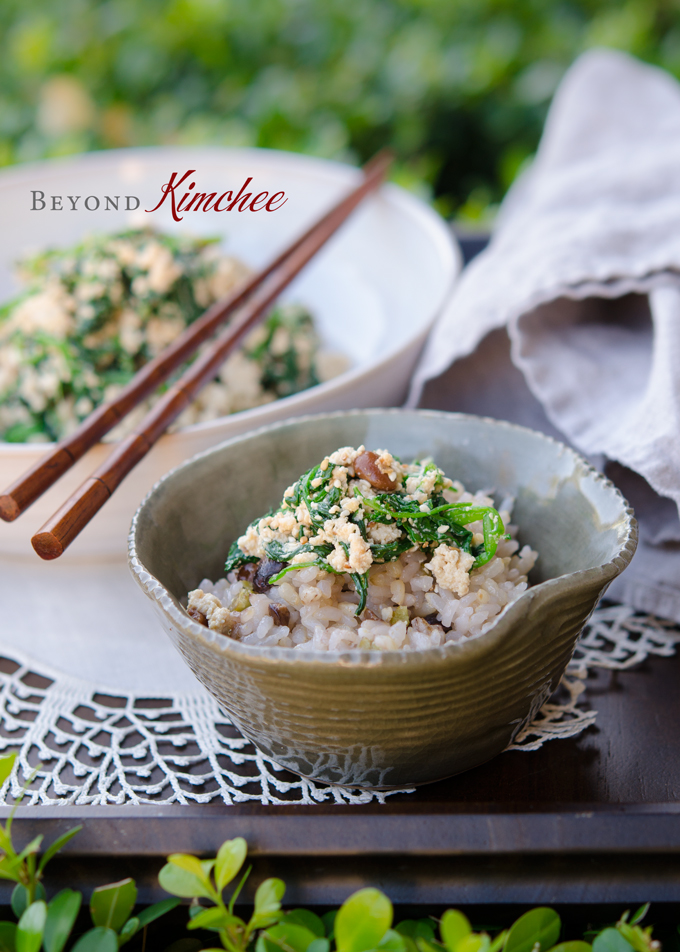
(387, 719)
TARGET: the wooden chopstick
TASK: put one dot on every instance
(59, 531)
(38, 479)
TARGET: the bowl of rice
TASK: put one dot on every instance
(102, 286)
(381, 598)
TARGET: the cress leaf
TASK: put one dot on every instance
(308, 919)
(62, 912)
(10, 873)
(151, 913)
(541, 925)
(362, 921)
(191, 864)
(6, 764)
(454, 927)
(285, 936)
(214, 918)
(639, 914)
(97, 940)
(230, 859)
(111, 905)
(19, 900)
(635, 936)
(32, 847)
(5, 840)
(267, 901)
(475, 942)
(179, 882)
(30, 927)
(130, 929)
(58, 844)
(328, 919)
(577, 946)
(237, 891)
(611, 940)
(427, 945)
(8, 932)
(319, 945)
(416, 928)
(498, 941)
(392, 941)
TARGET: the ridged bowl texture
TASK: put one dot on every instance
(388, 719)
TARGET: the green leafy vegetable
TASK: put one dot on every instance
(97, 940)
(62, 912)
(537, 927)
(111, 905)
(93, 314)
(611, 940)
(362, 921)
(320, 496)
(30, 927)
(454, 928)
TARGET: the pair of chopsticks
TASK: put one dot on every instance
(252, 300)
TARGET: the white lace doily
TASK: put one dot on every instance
(104, 749)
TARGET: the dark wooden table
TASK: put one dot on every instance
(594, 819)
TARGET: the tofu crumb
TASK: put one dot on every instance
(450, 568)
(250, 544)
(218, 618)
(383, 534)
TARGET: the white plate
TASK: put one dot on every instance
(375, 290)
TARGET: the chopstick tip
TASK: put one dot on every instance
(380, 162)
(47, 545)
(9, 510)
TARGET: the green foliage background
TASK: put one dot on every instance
(459, 88)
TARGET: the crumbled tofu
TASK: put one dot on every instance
(285, 522)
(451, 567)
(421, 485)
(383, 534)
(360, 556)
(251, 544)
(218, 618)
(50, 311)
(302, 514)
(346, 455)
(387, 464)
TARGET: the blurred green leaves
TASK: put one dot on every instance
(458, 89)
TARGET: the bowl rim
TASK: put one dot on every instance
(602, 574)
(409, 204)
(606, 572)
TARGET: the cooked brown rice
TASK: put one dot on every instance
(406, 608)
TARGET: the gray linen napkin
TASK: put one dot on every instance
(583, 277)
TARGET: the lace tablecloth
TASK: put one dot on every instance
(96, 698)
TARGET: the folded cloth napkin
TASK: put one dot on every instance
(583, 273)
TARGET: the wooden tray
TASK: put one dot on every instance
(591, 819)
(594, 819)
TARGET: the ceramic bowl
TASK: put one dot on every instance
(375, 290)
(388, 719)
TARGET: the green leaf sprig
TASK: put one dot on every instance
(187, 877)
(49, 925)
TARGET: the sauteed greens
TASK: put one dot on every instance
(341, 517)
(93, 314)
